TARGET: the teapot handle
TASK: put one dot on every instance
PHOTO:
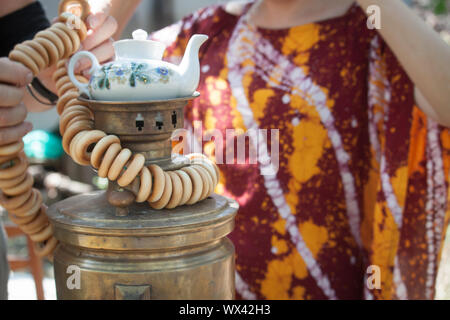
(83, 87)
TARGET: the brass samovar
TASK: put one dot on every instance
(114, 248)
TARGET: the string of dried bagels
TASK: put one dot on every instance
(161, 189)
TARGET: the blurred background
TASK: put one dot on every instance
(58, 176)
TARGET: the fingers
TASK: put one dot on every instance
(104, 52)
(102, 33)
(12, 116)
(96, 20)
(14, 73)
(15, 133)
(10, 96)
(14, 77)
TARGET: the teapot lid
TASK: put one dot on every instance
(139, 47)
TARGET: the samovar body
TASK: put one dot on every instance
(181, 253)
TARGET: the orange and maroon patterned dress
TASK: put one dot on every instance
(363, 173)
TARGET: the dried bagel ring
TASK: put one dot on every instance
(40, 50)
(197, 184)
(59, 73)
(11, 148)
(145, 186)
(25, 219)
(12, 203)
(61, 63)
(74, 130)
(118, 164)
(73, 146)
(34, 51)
(32, 230)
(61, 81)
(51, 36)
(74, 102)
(85, 141)
(5, 159)
(63, 99)
(42, 235)
(158, 182)
(19, 56)
(206, 179)
(23, 186)
(70, 5)
(31, 206)
(36, 212)
(65, 39)
(8, 183)
(37, 224)
(82, 79)
(74, 38)
(79, 107)
(100, 148)
(18, 166)
(208, 167)
(79, 117)
(187, 186)
(43, 250)
(74, 22)
(31, 53)
(40, 223)
(167, 192)
(50, 48)
(70, 117)
(67, 88)
(133, 168)
(20, 221)
(196, 156)
(108, 158)
(177, 190)
(216, 169)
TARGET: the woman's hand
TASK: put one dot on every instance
(101, 27)
(13, 79)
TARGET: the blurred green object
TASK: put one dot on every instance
(439, 6)
(42, 145)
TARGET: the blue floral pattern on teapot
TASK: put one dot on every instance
(129, 73)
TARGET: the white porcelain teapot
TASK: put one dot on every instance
(138, 72)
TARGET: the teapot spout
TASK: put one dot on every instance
(189, 67)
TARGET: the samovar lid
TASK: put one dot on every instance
(89, 221)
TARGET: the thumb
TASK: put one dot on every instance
(14, 73)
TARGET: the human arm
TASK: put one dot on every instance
(422, 53)
(122, 11)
